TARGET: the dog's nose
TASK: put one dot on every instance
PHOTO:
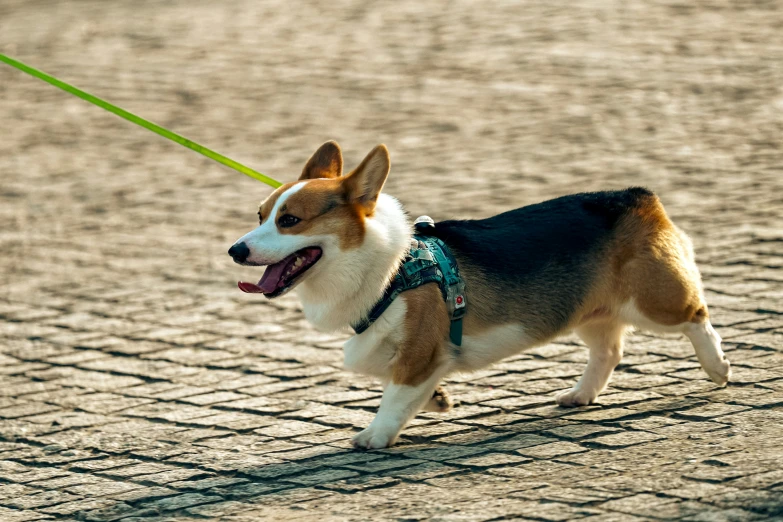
(239, 252)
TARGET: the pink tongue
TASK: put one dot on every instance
(249, 288)
(269, 281)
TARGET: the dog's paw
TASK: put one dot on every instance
(440, 402)
(575, 397)
(720, 373)
(373, 438)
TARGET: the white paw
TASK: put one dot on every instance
(575, 397)
(720, 373)
(374, 437)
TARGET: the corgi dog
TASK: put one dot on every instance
(593, 263)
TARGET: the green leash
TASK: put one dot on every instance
(122, 113)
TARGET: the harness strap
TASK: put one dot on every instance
(428, 261)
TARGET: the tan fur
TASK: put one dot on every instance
(363, 185)
(426, 329)
(266, 206)
(340, 204)
(440, 401)
(661, 275)
(324, 199)
(650, 261)
(326, 162)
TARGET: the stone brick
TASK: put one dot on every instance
(627, 438)
(580, 431)
(364, 483)
(710, 411)
(79, 506)
(71, 479)
(165, 478)
(142, 468)
(26, 409)
(384, 464)
(12, 515)
(103, 488)
(642, 504)
(553, 449)
(603, 414)
(489, 460)
(291, 429)
(182, 501)
(207, 483)
(258, 490)
(142, 494)
(15, 472)
(12, 491)
(320, 477)
(39, 500)
(218, 509)
(213, 398)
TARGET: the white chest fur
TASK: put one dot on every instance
(372, 352)
(345, 284)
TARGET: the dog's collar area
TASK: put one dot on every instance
(428, 261)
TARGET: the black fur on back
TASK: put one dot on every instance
(548, 248)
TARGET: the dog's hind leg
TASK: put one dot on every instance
(605, 341)
(706, 343)
(667, 296)
(440, 402)
(699, 330)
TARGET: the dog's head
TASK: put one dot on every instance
(304, 223)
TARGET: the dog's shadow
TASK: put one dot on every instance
(336, 468)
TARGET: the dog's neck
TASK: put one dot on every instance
(348, 285)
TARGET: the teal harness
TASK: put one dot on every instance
(428, 261)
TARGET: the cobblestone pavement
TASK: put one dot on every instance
(138, 382)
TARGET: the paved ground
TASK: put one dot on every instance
(137, 381)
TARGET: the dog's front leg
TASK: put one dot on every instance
(420, 360)
(399, 404)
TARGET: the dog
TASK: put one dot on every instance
(594, 263)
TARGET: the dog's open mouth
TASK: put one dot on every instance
(280, 277)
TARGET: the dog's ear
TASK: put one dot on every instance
(327, 162)
(363, 185)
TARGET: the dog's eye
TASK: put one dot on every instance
(287, 220)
